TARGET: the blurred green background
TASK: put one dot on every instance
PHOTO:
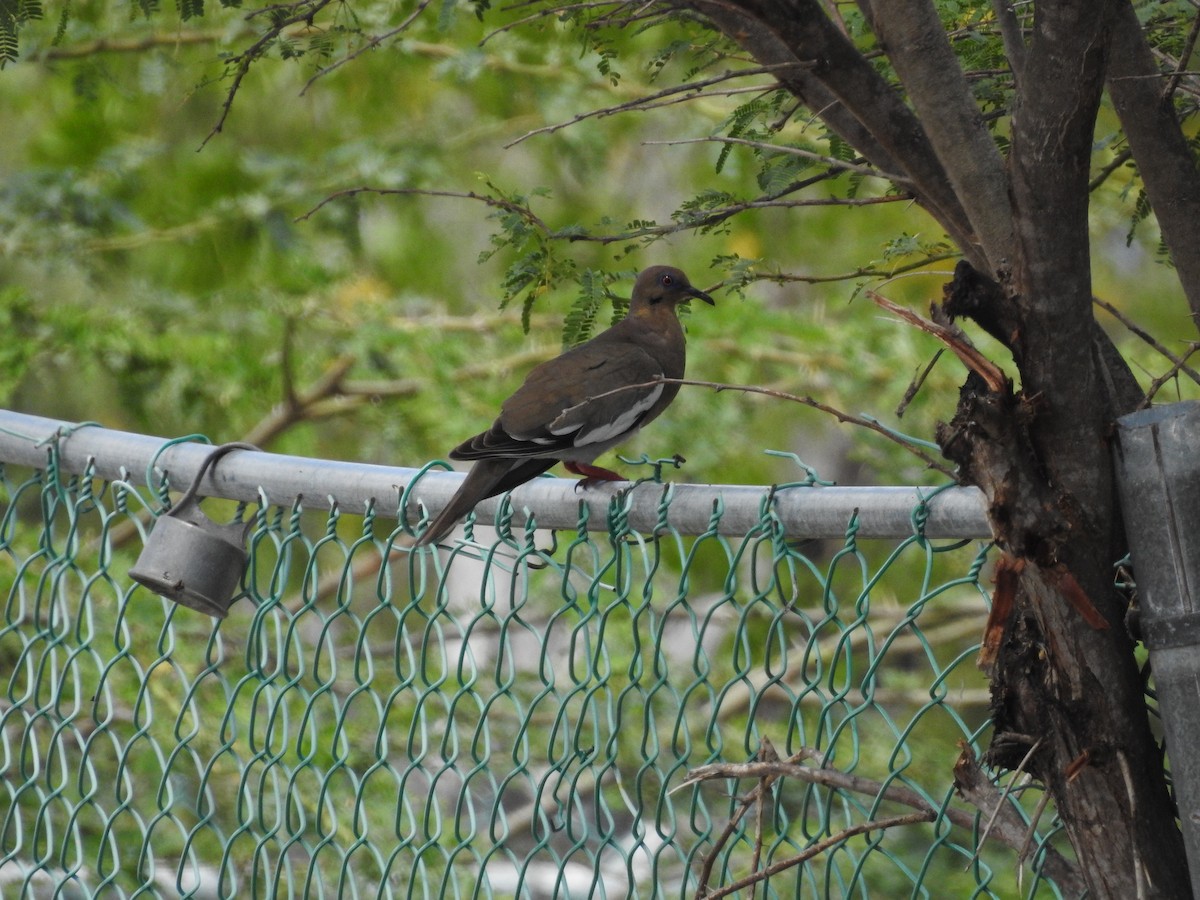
(156, 281)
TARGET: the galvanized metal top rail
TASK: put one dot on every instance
(807, 511)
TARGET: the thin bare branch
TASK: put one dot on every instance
(845, 417)
(1009, 828)
(330, 395)
(688, 91)
(1158, 76)
(766, 753)
(496, 202)
(1181, 69)
(303, 11)
(1165, 160)
(970, 780)
(861, 272)
(788, 151)
(1178, 362)
(768, 769)
(556, 10)
(129, 45)
(825, 776)
(915, 385)
(1184, 86)
(820, 847)
(1169, 375)
(1002, 800)
(1113, 165)
(369, 45)
(688, 220)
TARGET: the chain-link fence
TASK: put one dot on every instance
(531, 714)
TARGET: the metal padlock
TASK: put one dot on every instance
(191, 559)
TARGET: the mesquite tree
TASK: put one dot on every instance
(1010, 185)
(986, 116)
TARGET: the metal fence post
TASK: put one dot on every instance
(1158, 468)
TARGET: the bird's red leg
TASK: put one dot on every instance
(591, 474)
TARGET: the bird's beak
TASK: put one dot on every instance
(700, 295)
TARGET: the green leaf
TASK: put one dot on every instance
(191, 9)
(13, 15)
(581, 320)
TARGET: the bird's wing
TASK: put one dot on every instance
(572, 402)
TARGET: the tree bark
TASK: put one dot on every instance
(912, 35)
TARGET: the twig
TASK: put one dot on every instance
(1010, 829)
(555, 9)
(1148, 338)
(970, 782)
(1181, 69)
(691, 88)
(766, 753)
(330, 395)
(1162, 57)
(1003, 798)
(688, 220)
(369, 45)
(952, 338)
(244, 60)
(1169, 60)
(860, 272)
(820, 847)
(915, 385)
(768, 769)
(287, 372)
(789, 151)
(129, 45)
(495, 202)
(692, 221)
(1115, 163)
(822, 775)
(1023, 850)
(1168, 375)
(760, 809)
(845, 417)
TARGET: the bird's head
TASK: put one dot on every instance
(665, 285)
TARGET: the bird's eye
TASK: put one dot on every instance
(667, 281)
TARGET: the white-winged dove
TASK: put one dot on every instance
(571, 408)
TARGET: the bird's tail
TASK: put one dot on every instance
(487, 478)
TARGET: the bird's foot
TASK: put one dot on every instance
(592, 475)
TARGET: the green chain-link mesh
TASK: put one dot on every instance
(506, 720)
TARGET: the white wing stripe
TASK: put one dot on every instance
(621, 424)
